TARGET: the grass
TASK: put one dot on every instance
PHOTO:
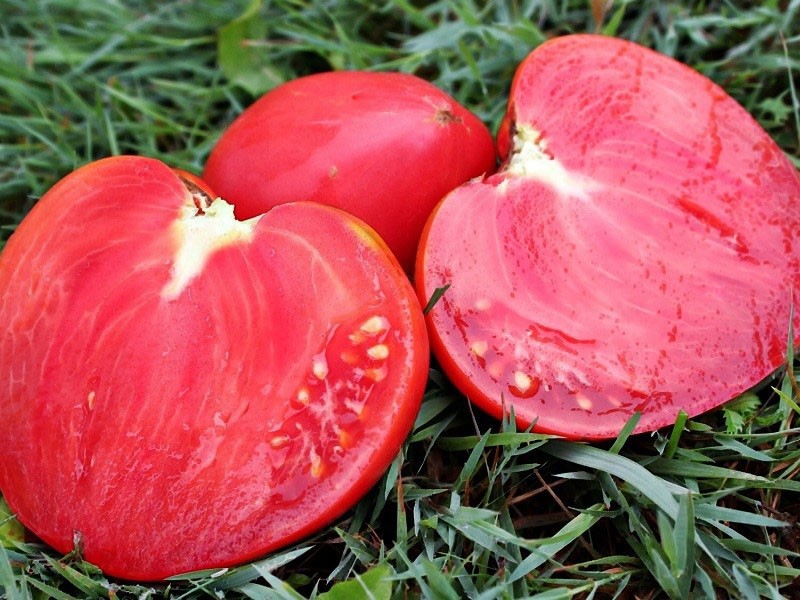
(472, 508)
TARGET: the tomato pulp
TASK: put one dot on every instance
(185, 390)
(636, 252)
(385, 147)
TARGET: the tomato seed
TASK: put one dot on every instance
(378, 352)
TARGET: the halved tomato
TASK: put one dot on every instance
(185, 390)
(385, 147)
(637, 250)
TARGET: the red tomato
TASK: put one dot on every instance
(636, 252)
(385, 147)
(185, 390)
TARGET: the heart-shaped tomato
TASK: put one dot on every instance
(185, 390)
(385, 147)
(636, 252)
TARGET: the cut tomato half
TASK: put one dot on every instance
(636, 252)
(185, 390)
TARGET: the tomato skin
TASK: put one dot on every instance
(385, 147)
(197, 424)
(637, 254)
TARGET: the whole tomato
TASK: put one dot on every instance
(385, 147)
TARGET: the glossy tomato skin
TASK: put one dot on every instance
(186, 391)
(636, 251)
(385, 147)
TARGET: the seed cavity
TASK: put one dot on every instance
(303, 396)
(279, 441)
(349, 357)
(524, 386)
(483, 304)
(522, 381)
(584, 402)
(320, 367)
(354, 406)
(374, 325)
(316, 464)
(495, 369)
(345, 439)
(378, 352)
(377, 375)
(90, 400)
(479, 348)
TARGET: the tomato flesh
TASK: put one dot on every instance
(635, 253)
(186, 392)
(385, 147)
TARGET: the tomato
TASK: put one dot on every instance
(385, 147)
(636, 252)
(185, 390)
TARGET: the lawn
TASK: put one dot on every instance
(472, 507)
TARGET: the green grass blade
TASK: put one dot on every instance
(544, 550)
(626, 469)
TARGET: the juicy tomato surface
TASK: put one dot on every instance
(185, 390)
(636, 252)
(385, 147)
